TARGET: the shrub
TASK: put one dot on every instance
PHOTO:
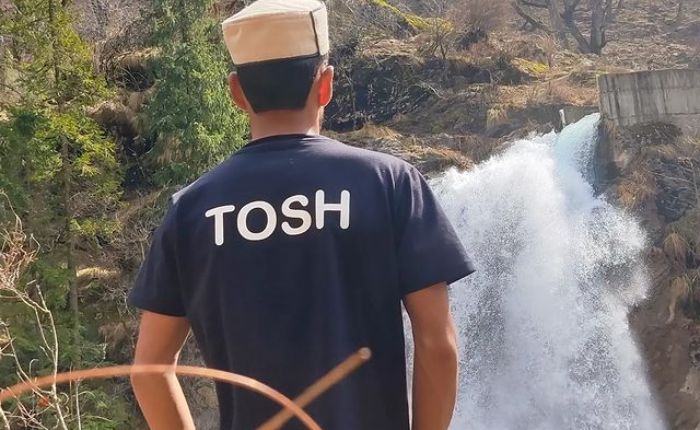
(460, 23)
(484, 15)
(676, 247)
(191, 120)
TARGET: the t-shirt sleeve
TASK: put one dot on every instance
(158, 288)
(429, 250)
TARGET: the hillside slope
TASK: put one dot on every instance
(394, 97)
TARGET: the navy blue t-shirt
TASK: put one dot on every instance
(289, 257)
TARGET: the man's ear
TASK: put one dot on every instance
(325, 86)
(237, 93)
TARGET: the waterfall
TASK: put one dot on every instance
(543, 330)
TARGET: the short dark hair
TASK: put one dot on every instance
(279, 84)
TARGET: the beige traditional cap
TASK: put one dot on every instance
(277, 29)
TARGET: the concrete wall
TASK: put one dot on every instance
(671, 96)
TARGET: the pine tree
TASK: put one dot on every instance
(57, 163)
(191, 119)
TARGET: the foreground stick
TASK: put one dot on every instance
(319, 387)
(291, 409)
(115, 371)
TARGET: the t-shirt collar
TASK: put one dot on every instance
(280, 141)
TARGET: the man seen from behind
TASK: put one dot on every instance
(297, 251)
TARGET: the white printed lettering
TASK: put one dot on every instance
(294, 210)
(343, 207)
(243, 221)
(218, 214)
(299, 214)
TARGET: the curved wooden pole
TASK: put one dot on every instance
(116, 371)
(319, 387)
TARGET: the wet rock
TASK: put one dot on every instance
(675, 179)
(692, 384)
(694, 352)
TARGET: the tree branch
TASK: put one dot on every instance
(568, 17)
(536, 24)
(5, 421)
(543, 5)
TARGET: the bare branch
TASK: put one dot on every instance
(536, 24)
(18, 252)
(543, 5)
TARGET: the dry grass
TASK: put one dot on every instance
(89, 274)
(481, 50)
(486, 15)
(134, 100)
(636, 190)
(681, 286)
(550, 45)
(497, 114)
(663, 151)
(111, 114)
(373, 131)
(690, 146)
(676, 248)
(428, 153)
(518, 45)
(560, 91)
(557, 91)
(680, 292)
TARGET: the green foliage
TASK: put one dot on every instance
(108, 413)
(190, 119)
(60, 172)
(56, 84)
(21, 163)
(31, 166)
(58, 64)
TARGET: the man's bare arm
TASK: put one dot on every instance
(160, 396)
(435, 358)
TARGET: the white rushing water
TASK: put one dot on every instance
(543, 330)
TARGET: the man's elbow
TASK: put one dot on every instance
(140, 379)
(442, 348)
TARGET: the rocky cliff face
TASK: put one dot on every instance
(654, 171)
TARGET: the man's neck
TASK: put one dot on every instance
(281, 123)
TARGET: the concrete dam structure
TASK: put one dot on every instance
(671, 96)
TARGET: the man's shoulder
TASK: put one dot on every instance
(197, 185)
(175, 197)
(330, 149)
(369, 157)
